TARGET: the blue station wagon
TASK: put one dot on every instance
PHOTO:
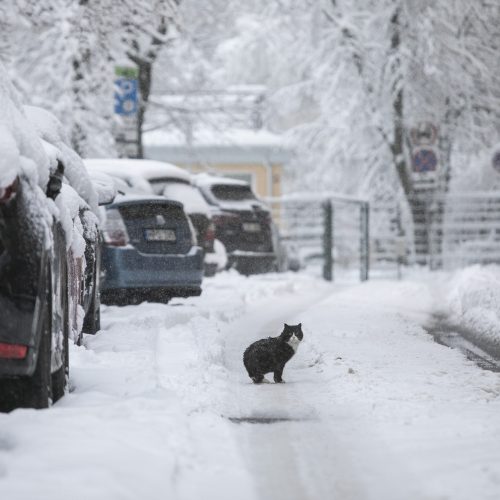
(149, 251)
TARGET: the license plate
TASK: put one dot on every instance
(160, 235)
(251, 227)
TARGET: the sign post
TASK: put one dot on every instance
(126, 97)
(496, 161)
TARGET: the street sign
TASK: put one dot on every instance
(496, 161)
(126, 98)
(424, 160)
(126, 91)
(424, 163)
(424, 134)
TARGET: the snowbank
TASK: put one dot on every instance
(474, 301)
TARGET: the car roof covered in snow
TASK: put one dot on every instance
(130, 180)
(56, 146)
(148, 169)
(132, 199)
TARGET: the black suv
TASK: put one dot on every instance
(33, 281)
(242, 223)
(41, 287)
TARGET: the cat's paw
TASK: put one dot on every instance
(279, 381)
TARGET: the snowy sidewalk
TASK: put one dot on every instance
(372, 407)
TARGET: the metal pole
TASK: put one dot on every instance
(327, 240)
(364, 241)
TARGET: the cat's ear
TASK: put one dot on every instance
(300, 325)
(286, 326)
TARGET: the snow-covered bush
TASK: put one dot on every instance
(474, 301)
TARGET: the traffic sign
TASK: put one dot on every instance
(126, 97)
(126, 91)
(496, 161)
(424, 160)
(424, 134)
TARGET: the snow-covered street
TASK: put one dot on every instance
(161, 406)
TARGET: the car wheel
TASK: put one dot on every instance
(59, 378)
(92, 320)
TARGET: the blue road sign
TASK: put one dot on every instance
(126, 96)
(424, 160)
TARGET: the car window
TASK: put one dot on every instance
(231, 192)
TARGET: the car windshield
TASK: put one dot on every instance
(232, 192)
(188, 195)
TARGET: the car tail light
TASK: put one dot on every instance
(115, 232)
(8, 192)
(13, 351)
(210, 233)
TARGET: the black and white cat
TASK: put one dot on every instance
(271, 354)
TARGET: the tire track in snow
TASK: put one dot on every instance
(292, 459)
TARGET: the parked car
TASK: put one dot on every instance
(242, 223)
(164, 179)
(149, 251)
(47, 223)
(79, 202)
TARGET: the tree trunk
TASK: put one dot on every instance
(418, 205)
(145, 73)
(145, 66)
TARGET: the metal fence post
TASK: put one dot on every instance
(328, 240)
(364, 241)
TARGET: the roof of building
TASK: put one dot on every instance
(216, 146)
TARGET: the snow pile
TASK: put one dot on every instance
(474, 301)
(218, 256)
(21, 149)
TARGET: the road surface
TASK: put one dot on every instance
(161, 407)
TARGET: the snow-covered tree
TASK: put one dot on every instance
(146, 29)
(62, 55)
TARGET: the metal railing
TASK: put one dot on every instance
(446, 231)
(463, 229)
(330, 232)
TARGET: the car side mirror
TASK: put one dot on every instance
(105, 197)
(55, 182)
